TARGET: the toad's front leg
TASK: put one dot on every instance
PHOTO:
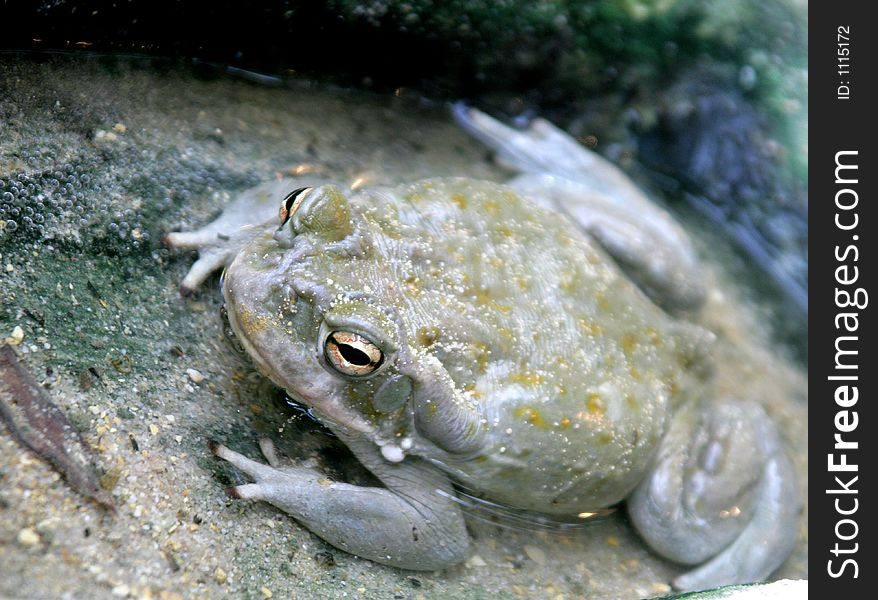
(413, 523)
(251, 213)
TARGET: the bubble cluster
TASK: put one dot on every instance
(109, 210)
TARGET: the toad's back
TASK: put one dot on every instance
(572, 365)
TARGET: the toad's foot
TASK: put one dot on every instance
(251, 213)
(411, 524)
(643, 238)
(723, 491)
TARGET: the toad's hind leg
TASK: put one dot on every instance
(723, 494)
(643, 238)
(413, 523)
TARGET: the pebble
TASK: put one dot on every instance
(121, 590)
(476, 561)
(16, 337)
(266, 593)
(107, 136)
(535, 554)
(28, 537)
(194, 375)
(660, 588)
(220, 576)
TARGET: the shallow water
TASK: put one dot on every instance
(100, 159)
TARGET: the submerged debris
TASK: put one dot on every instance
(36, 423)
(324, 558)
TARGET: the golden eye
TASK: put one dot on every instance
(351, 354)
(290, 204)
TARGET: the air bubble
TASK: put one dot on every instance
(11, 225)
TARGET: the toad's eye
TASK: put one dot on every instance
(351, 354)
(290, 204)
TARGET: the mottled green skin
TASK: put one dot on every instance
(570, 368)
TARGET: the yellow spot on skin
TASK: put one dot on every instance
(429, 335)
(635, 374)
(589, 327)
(506, 334)
(654, 337)
(613, 541)
(459, 200)
(604, 438)
(564, 240)
(628, 343)
(564, 423)
(531, 415)
(482, 354)
(492, 206)
(527, 378)
(631, 401)
(413, 284)
(594, 404)
(476, 394)
(250, 322)
(505, 231)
